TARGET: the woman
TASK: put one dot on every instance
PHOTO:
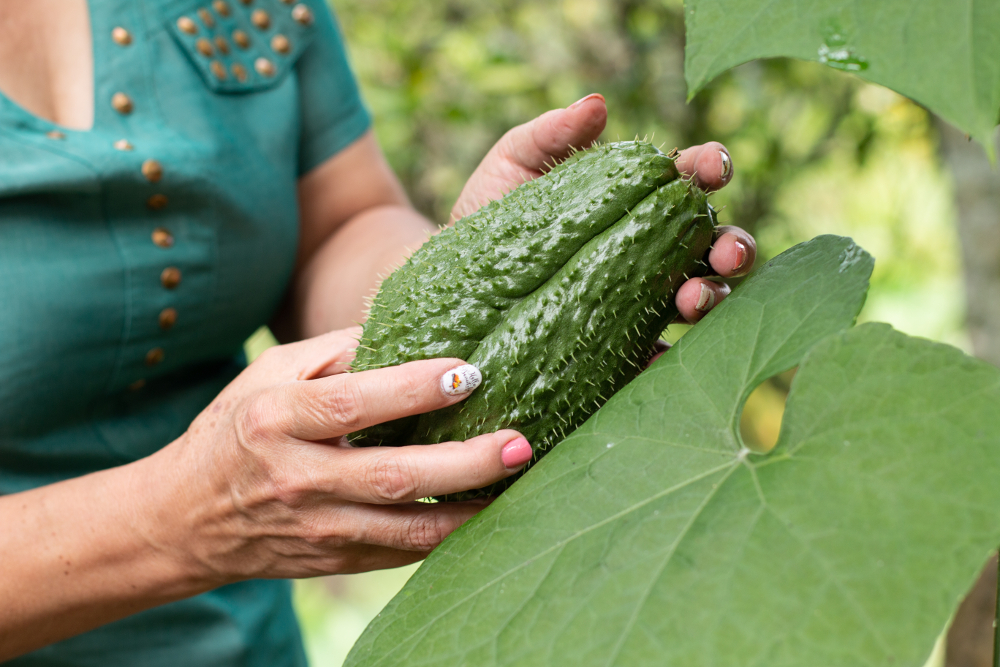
(174, 174)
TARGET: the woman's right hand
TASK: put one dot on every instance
(266, 486)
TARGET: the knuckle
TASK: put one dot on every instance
(345, 405)
(424, 532)
(392, 479)
(254, 422)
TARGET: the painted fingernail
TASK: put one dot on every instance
(516, 453)
(727, 165)
(462, 380)
(741, 256)
(584, 99)
(706, 299)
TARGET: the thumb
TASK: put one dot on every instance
(527, 151)
(553, 135)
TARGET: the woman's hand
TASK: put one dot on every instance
(283, 495)
(528, 150)
(261, 485)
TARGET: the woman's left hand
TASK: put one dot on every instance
(526, 151)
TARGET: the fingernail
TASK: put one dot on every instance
(741, 256)
(706, 299)
(727, 165)
(462, 380)
(516, 453)
(584, 99)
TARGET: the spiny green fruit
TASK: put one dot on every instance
(557, 293)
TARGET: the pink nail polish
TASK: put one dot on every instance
(741, 256)
(584, 99)
(516, 453)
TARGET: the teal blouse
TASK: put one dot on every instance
(136, 257)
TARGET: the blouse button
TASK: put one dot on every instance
(204, 47)
(121, 103)
(280, 44)
(163, 238)
(221, 7)
(246, 2)
(170, 277)
(302, 14)
(154, 356)
(168, 318)
(222, 45)
(206, 18)
(242, 39)
(261, 19)
(264, 66)
(185, 24)
(121, 36)
(157, 202)
(123, 145)
(152, 170)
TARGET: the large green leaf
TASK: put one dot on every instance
(944, 54)
(652, 537)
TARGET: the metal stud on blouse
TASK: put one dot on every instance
(219, 70)
(170, 277)
(206, 18)
(121, 103)
(152, 170)
(264, 67)
(123, 145)
(221, 7)
(121, 36)
(157, 202)
(187, 25)
(302, 14)
(162, 238)
(242, 39)
(204, 47)
(240, 72)
(222, 45)
(281, 45)
(261, 19)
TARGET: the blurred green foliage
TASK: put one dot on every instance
(816, 151)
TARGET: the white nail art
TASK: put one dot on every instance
(727, 164)
(706, 299)
(461, 380)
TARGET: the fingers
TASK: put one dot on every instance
(708, 164)
(698, 296)
(333, 406)
(553, 135)
(411, 527)
(661, 346)
(384, 475)
(733, 253)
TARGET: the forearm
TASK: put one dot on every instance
(329, 292)
(85, 552)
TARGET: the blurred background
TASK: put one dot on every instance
(816, 151)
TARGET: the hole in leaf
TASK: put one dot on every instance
(760, 422)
